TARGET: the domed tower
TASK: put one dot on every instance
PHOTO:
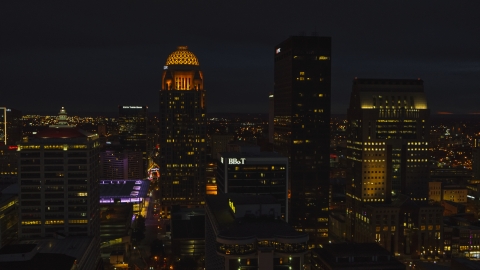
(182, 130)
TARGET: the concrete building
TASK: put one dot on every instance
(302, 88)
(182, 131)
(59, 183)
(243, 232)
(438, 192)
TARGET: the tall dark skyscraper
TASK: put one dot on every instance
(10, 126)
(387, 141)
(302, 128)
(182, 130)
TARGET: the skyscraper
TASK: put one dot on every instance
(302, 128)
(387, 141)
(182, 130)
(58, 175)
(132, 129)
(59, 183)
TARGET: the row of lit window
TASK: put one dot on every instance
(180, 165)
(385, 228)
(373, 143)
(373, 200)
(51, 222)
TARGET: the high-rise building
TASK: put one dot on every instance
(182, 137)
(121, 164)
(132, 130)
(387, 141)
(476, 158)
(302, 128)
(59, 183)
(10, 126)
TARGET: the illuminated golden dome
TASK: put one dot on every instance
(182, 56)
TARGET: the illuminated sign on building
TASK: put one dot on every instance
(236, 160)
(132, 107)
(277, 51)
(323, 58)
(165, 67)
(232, 206)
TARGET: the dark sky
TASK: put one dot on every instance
(94, 56)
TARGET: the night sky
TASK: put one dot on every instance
(93, 56)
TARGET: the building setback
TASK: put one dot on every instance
(302, 76)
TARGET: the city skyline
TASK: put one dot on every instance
(52, 52)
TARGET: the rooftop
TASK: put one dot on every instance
(182, 56)
(118, 189)
(260, 227)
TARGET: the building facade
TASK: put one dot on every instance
(10, 126)
(59, 183)
(261, 173)
(132, 130)
(387, 144)
(122, 164)
(302, 76)
(182, 137)
(242, 232)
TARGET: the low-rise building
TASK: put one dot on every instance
(246, 232)
(347, 256)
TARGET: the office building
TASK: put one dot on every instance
(182, 137)
(11, 126)
(476, 158)
(132, 130)
(302, 77)
(59, 183)
(8, 160)
(420, 230)
(246, 232)
(387, 145)
(254, 173)
(188, 231)
(219, 143)
(120, 163)
(437, 192)
(8, 218)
